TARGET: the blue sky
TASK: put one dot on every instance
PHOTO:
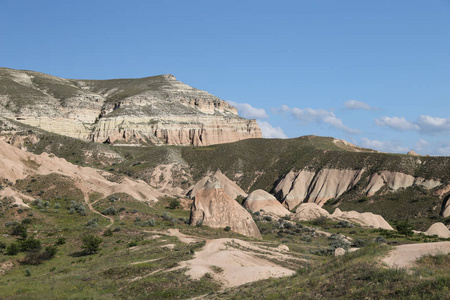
(375, 73)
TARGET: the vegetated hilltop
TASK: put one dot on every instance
(323, 170)
(151, 110)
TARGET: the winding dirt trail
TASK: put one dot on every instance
(404, 256)
(91, 208)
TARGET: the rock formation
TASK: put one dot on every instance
(309, 212)
(230, 187)
(365, 219)
(395, 181)
(438, 229)
(214, 208)
(17, 164)
(261, 200)
(413, 153)
(320, 186)
(156, 109)
(316, 187)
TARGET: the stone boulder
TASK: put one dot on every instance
(438, 229)
(365, 219)
(230, 187)
(309, 212)
(339, 252)
(262, 200)
(215, 208)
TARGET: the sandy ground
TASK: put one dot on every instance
(404, 256)
(234, 262)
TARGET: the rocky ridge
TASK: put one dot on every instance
(158, 109)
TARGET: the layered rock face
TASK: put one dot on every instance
(213, 207)
(156, 109)
(261, 200)
(395, 181)
(317, 187)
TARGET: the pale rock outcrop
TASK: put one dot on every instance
(365, 219)
(339, 252)
(413, 153)
(159, 109)
(445, 211)
(309, 212)
(18, 197)
(316, 187)
(395, 181)
(262, 200)
(17, 164)
(438, 229)
(230, 187)
(214, 208)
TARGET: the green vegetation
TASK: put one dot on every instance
(356, 275)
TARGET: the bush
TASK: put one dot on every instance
(92, 223)
(380, 240)
(228, 228)
(174, 203)
(91, 244)
(110, 211)
(20, 230)
(12, 249)
(108, 232)
(61, 241)
(345, 224)
(404, 228)
(30, 244)
(36, 258)
(267, 218)
(2, 246)
(77, 207)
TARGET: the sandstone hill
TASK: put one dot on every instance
(260, 200)
(155, 110)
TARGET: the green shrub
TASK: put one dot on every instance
(108, 232)
(110, 211)
(61, 241)
(227, 228)
(174, 203)
(12, 249)
(30, 244)
(20, 230)
(91, 244)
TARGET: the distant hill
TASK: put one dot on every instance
(151, 110)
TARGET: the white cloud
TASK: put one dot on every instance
(353, 104)
(422, 145)
(383, 146)
(308, 115)
(396, 123)
(268, 131)
(433, 125)
(245, 110)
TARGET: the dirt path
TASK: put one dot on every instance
(91, 208)
(404, 256)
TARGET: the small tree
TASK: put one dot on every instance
(404, 228)
(20, 230)
(174, 203)
(12, 249)
(91, 244)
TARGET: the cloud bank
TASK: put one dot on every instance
(249, 112)
(354, 104)
(268, 131)
(425, 124)
(308, 115)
